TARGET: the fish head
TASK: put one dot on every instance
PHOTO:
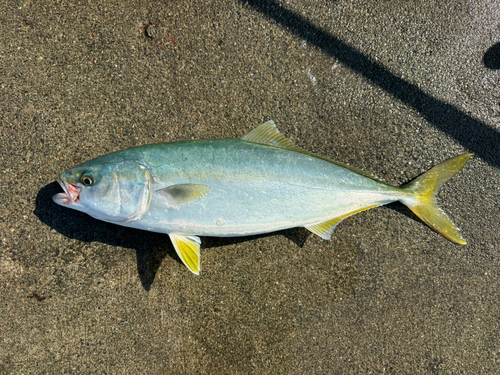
(110, 191)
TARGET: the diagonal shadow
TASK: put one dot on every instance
(473, 134)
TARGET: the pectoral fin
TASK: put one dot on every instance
(325, 229)
(188, 249)
(181, 194)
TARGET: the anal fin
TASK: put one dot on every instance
(188, 249)
(325, 228)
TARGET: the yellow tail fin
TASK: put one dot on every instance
(423, 202)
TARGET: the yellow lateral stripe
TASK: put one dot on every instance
(357, 211)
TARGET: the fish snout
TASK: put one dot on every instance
(71, 193)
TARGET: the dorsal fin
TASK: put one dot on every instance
(267, 134)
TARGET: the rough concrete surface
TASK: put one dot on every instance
(387, 86)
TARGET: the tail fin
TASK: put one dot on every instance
(423, 203)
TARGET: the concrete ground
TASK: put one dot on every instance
(387, 86)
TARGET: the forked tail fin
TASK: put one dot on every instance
(423, 203)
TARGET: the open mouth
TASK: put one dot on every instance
(71, 193)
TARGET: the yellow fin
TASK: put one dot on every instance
(325, 229)
(422, 201)
(181, 194)
(267, 134)
(188, 249)
(434, 217)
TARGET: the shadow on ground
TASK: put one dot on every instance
(491, 58)
(150, 247)
(473, 134)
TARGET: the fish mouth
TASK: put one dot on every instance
(71, 193)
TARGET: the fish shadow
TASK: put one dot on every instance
(151, 248)
(491, 58)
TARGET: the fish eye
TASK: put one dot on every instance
(87, 179)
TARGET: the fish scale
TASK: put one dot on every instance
(237, 187)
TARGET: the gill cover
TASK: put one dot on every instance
(122, 193)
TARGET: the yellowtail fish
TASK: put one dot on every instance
(238, 187)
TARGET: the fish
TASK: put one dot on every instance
(257, 184)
